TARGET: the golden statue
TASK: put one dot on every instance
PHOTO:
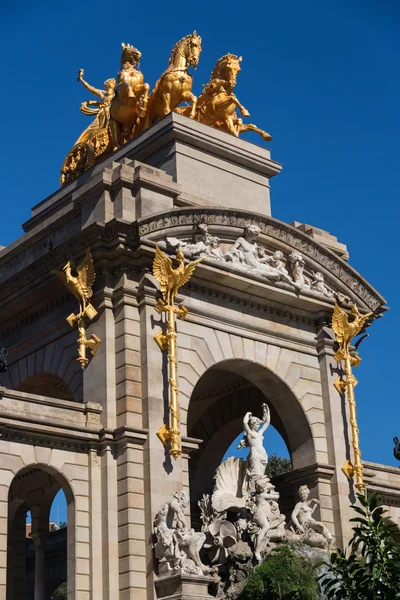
(175, 84)
(170, 281)
(345, 331)
(81, 287)
(216, 105)
(130, 102)
(101, 110)
(125, 107)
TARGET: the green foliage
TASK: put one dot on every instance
(284, 575)
(60, 593)
(371, 568)
(277, 465)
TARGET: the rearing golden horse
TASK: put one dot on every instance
(175, 84)
(216, 106)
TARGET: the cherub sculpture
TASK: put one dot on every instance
(302, 516)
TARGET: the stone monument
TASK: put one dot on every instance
(86, 392)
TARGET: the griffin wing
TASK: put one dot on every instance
(340, 321)
(188, 272)
(162, 269)
(62, 276)
(86, 275)
(361, 322)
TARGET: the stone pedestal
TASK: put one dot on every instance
(184, 587)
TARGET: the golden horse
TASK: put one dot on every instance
(175, 84)
(131, 98)
(216, 106)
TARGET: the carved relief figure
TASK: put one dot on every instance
(175, 84)
(302, 515)
(298, 265)
(101, 110)
(246, 250)
(318, 284)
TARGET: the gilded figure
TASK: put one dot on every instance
(130, 102)
(175, 84)
(100, 109)
(217, 104)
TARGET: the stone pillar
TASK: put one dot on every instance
(39, 540)
(162, 474)
(16, 556)
(338, 437)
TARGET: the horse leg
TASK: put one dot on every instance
(250, 127)
(145, 90)
(243, 111)
(189, 97)
(115, 131)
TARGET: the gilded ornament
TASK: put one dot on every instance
(175, 84)
(129, 105)
(124, 107)
(345, 331)
(80, 286)
(170, 280)
(216, 106)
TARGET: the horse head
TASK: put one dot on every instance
(130, 54)
(227, 68)
(192, 49)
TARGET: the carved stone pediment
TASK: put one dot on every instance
(261, 248)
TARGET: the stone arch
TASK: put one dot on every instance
(56, 360)
(290, 378)
(46, 384)
(33, 488)
(221, 397)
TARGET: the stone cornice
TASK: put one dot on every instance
(164, 224)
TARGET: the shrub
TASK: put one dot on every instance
(284, 575)
(371, 568)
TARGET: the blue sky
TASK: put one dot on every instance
(321, 77)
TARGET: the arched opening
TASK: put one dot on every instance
(40, 554)
(217, 406)
(46, 384)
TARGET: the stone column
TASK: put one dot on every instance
(162, 474)
(338, 437)
(16, 556)
(39, 540)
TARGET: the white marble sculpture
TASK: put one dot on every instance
(302, 516)
(246, 256)
(266, 515)
(254, 429)
(177, 546)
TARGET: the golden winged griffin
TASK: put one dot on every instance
(80, 286)
(125, 107)
(170, 280)
(346, 329)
